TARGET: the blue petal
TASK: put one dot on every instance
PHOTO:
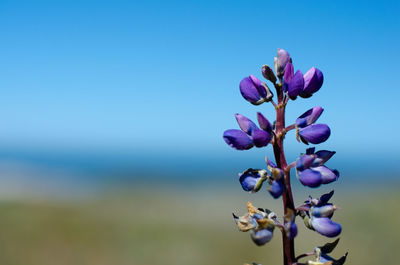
(238, 139)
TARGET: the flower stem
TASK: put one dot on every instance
(287, 197)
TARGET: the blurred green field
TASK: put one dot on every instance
(170, 226)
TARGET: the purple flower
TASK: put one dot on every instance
(309, 117)
(313, 159)
(276, 188)
(262, 236)
(253, 90)
(311, 169)
(313, 80)
(310, 178)
(314, 133)
(251, 180)
(326, 227)
(249, 135)
(280, 62)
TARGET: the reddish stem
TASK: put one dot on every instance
(288, 244)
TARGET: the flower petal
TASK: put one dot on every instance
(245, 124)
(326, 226)
(261, 237)
(322, 156)
(304, 162)
(276, 188)
(287, 76)
(280, 62)
(238, 139)
(264, 123)
(313, 80)
(315, 133)
(296, 85)
(327, 174)
(310, 178)
(309, 117)
(260, 138)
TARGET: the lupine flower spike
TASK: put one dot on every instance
(290, 84)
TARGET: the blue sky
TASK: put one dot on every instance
(163, 75)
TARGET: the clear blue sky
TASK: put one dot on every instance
(164, 75)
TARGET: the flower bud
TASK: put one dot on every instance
(280, 62)
(254, 91)
(315, 133)
(309, 117)
(268, 73)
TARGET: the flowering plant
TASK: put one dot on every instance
(310, 167)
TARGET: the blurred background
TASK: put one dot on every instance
(112, 114)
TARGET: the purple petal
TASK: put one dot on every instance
(287, 76)
(309, 117)
(261, 237)
(304, 162)
(324, 210)
(281, 60)
(276, 188)
(238, 139)
(327, 174)
(296, 85)
(310, 178)
(248, 181)
(249, 91)
(310, 151)
(245, 124)
(260, 138)
(291, 229)
(322, 157)
(315, 133)
(326, 226)
(262, 91)
(264, 123)
(325, 198)
(313, 80)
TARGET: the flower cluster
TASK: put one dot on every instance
(310, 167)
(317, 215)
